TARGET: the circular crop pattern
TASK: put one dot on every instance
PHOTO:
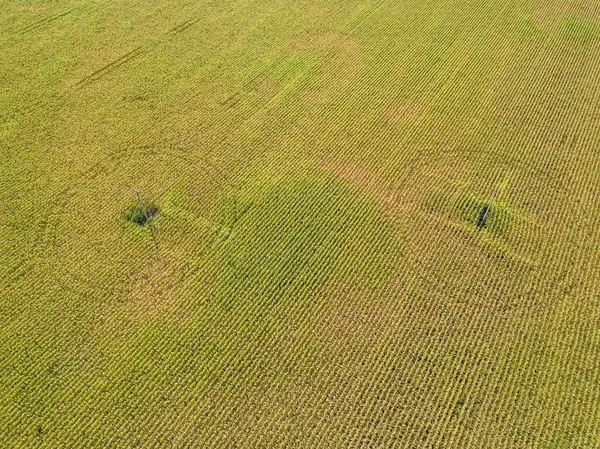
(91, 218)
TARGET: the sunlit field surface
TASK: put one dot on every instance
(365, 224)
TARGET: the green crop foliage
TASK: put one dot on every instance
(302, 234)
(472, 210)
(581, 30)
(314, 270)
(294, 70)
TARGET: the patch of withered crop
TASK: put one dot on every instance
(355, 174)
(384, 192)
(341, 58)
(326, 42)
(545, 13)
(403, 112)
(152, 294)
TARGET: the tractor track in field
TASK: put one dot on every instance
(128, 57)
(111, 66)
(105, 70)
(45, 21)
(180, 28)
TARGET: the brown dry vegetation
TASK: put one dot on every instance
(153, 293)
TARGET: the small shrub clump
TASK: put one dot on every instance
(142, 216)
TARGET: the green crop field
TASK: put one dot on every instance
(363, 223)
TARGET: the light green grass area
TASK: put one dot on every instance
(314, 273)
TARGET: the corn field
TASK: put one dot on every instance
(289, 224)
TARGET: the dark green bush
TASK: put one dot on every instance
(141, 216)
